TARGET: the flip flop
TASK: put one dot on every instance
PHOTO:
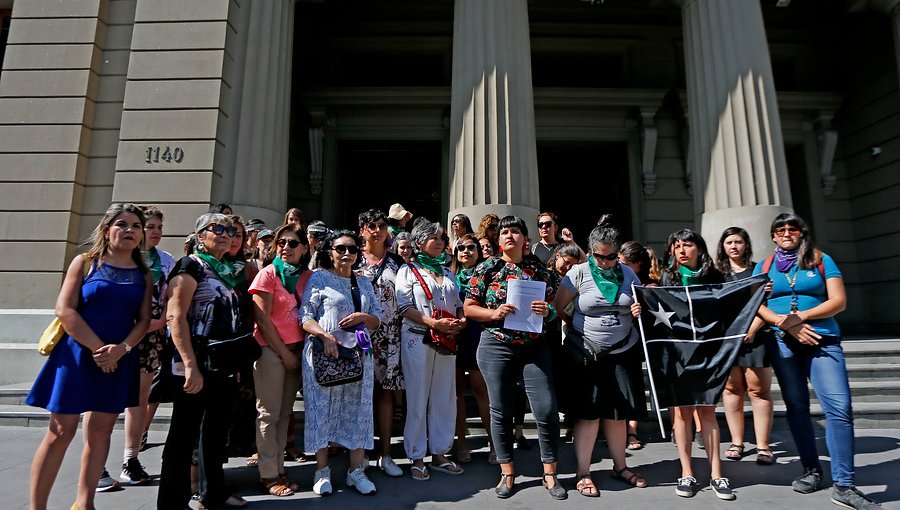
(449, 467)
(423, 473)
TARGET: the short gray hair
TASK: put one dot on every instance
(208, 219)
(423, 231)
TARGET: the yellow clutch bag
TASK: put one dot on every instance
(51, 337)
(55, 330)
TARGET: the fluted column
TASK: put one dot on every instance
(737, 151)
(261, 157)
(493, 160)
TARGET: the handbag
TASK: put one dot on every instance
(55, 331)
(442, 342)
(348, 366)
(231, 355)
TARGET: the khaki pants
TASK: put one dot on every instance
(276, 389)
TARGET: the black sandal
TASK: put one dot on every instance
(765, 456)
(504, 490)
(634, 442)
(557, 491)
(734, 452)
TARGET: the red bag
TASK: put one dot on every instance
(443, 343)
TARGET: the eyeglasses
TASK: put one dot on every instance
(611, 257)
(218, 230)
(374, 227)
(352, 249)
(466, 247)
(545, 224)
(780, 231)
(293, 243)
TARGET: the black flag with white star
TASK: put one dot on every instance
(692, 336)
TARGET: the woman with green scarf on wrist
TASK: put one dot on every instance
(276, 374)
(610, 390)
(687, 262)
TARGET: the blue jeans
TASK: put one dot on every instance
(503, 366)
(823, 365)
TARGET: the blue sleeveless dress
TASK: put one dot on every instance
(70, 382)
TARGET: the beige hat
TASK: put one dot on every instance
(397, 212)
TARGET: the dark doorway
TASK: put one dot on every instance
(378, 174)
(581, 181)
(799, 180)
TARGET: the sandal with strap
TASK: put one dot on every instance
(765, 456)
(253, 460)
(634, 442)
(285, 480)
(557, 491)
(635, 479)
(586, 487)
(275, 487)
(734, 452)
(507, 485)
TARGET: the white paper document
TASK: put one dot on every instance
(521, 293)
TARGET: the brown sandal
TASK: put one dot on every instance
(635, 479)
(765, 456)
(734, 452)
(586, 487)
(275, 487)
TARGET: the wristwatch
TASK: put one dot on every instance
(128, 347)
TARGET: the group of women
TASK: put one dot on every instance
(354, 317)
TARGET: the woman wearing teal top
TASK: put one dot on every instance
(807, 292)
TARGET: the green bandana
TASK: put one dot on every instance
(689, 277)
(288, 273)
(607, 280)
(155, 264)
(434, 264)
(229, 274)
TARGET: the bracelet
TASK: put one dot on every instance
(128, 347)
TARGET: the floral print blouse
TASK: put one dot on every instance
(487, 287)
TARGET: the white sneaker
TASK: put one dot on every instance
(390, 467)
(357, 478)
(322, 482)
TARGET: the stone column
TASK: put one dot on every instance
(737, 151)
(263, 131)
(493, 160)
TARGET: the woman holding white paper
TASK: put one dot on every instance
(506, 356)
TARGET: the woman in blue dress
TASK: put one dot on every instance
(104, 306)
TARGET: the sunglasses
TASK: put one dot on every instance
(374, 227)
(456, 220)
(612, 256)
(780, 231)
(545, 224)
(352, 249)
(293, 243)
(466, 247)
(218, 230)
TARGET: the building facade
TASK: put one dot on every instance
(670, 114)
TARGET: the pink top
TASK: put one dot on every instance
(285, 305)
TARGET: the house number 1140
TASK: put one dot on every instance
(165, 154)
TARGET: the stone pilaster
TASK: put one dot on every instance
(263, 129)
(172, 137)
(48, 95)
(737, 151)
(493, 160)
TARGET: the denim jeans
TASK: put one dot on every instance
(823, 365)
(503, 366)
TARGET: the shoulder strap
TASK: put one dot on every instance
(428, 295)
(767, 263)
(354, 293)
(821, 265)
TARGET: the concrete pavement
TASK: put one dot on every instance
(757, 487)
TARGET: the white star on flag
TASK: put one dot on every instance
(662, 316)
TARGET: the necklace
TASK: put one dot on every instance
(795, 302)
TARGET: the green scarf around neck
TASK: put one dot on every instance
(288, 273)
(229, 274)
(607, 280)
(155, 264)
(689, 277)
(433, 264)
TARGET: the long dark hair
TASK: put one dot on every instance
(807, 258)
(323, 250)
(455, 266)
(636, 253)
(671, 264)
(723, 263)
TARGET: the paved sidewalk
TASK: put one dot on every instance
(757, 487)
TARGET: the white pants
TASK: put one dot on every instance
(430, 380)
